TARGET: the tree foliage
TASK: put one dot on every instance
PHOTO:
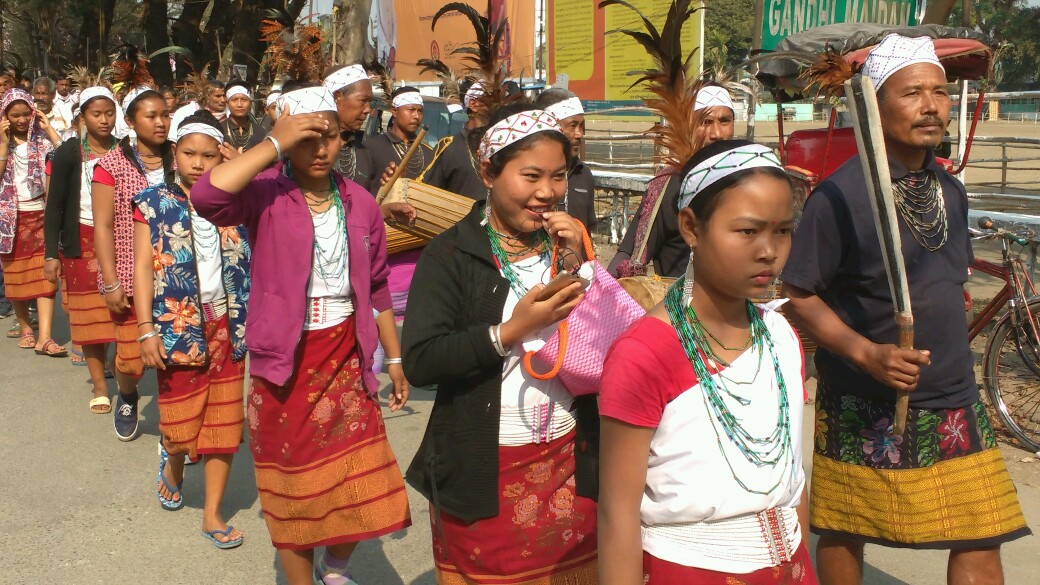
(727, 32)
(1013, 24)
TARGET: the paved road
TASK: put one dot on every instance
(79, 507)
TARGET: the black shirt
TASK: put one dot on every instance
(387, 148)
(455, 170)
(355, 162)
(665, 246)
(837, 256)
(242, 142)
(580, 202)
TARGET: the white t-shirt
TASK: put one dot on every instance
(208, 259)
(28, 198)
(533, 411)
(86, 205)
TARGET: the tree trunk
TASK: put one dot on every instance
(157, 37)
(352, 33)
(187, 33)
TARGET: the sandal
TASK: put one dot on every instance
(100, 405)
(51, 349)
(27, 341)
(169, 505)
(15, 331)
(77, 358)
(212, 536)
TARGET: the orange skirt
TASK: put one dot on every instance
(200, 408)
(89, 319)
(23, 267)
(325, 471)
(128, 349)
(544, 534)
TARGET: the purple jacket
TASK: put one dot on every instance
(281, 234)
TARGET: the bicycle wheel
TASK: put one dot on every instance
(1010, 378)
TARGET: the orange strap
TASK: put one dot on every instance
(590, 254)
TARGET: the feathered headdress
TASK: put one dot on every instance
(294, 51)
(195, 85)
(131, 68)
(384, 80)
(481, 62)
(670, 80)
(828, 73)
(81, 77)
(449, 82)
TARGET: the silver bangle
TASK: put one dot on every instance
(277, 147)
(148, 335)
(391, 361)
(111, 288)
(495, 332)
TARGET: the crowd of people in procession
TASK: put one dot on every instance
(190, 235)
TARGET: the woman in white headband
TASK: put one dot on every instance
(494, 425)
(69, 234)
(241, 130)
(319, 273)
(191, 288)
(708, 385)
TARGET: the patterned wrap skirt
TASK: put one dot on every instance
(128, 349)
(324, 468)
(89, 319)
(200, 408)
(544, 534)
(23, 267)
(797, 571)
(942, 485)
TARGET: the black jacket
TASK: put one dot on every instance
(61, 218)
(455, 170)
(457, 294)
(581, 195)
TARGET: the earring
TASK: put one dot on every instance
(487, 209)
(688, 284)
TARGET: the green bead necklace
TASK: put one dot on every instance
(772, 450)
(502, 257)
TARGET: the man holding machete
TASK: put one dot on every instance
(942, 484)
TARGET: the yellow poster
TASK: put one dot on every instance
(573, 25)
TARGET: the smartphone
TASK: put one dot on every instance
(560, 282)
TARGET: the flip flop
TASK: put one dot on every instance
(27, 341)
(77, 358)
(168, 505)
(15, 331)
(100, 405)
(212, 536)
(51, 349)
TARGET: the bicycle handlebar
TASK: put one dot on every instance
(987, 224)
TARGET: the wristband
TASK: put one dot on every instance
(274, 142)
(148, 335)
(391, 361)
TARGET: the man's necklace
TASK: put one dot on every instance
(920, 201)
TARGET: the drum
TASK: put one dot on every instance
(398, 241)
(436, 209)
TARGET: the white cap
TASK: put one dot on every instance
(566, 108)
(710, 96)
(309, 100)
(896, 52)
(475, 91)
(341, 78)
(82, 97)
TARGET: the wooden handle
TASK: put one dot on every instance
(905, 322)
(385, 189)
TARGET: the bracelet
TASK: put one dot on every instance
(46, 259)
(3, 159)
(391, 361)
(148, 335)
(277, 147)
(111, 288)
(139, 323)
(495, 332)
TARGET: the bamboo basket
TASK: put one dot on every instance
(436, 209)
(398, 241)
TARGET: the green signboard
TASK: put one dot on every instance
(781, 18)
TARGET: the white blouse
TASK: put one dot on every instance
(29, 199)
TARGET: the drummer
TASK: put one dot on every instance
(579, 201)
(388, 149)
(665, 246)
(352, 88)
(454, 167)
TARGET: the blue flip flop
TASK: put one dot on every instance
(168, 505)
(212, 536)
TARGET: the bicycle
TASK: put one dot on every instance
(1011, 362)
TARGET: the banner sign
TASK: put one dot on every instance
(787, 17)
(596, 65)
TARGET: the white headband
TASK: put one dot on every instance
(341, 78)
(475, 91)
(238, 90)
(720, 166)
(567, 108)
(515, 128)
(272, 98)
(309, 100)
(710, 96)
(409, 98)
(133, 94)
(200, 128)
(896, 52)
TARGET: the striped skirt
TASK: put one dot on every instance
(23, 267)
(89, 319)
(324, 468)
(128, 349)
(797, 571)
(941, 485)
(200, 408)
(544, 534)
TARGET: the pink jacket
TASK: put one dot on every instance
(281, 234)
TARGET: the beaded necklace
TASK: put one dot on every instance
(921, 204)
(347, 166)
(239, 139)
(542, 246)
(330, 259)
(205, 236)
(772, 450)
(418, 161)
